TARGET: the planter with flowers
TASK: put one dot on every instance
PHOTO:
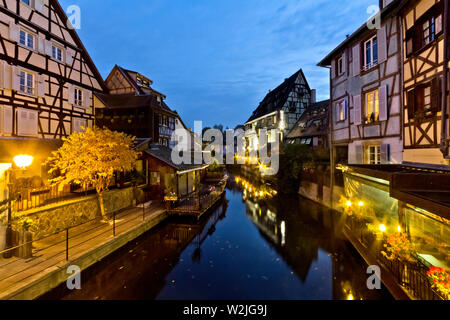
(440, 280)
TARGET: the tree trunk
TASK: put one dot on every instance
(102, 206)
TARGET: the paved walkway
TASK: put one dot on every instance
(50, 253)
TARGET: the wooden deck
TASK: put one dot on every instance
(196, 206)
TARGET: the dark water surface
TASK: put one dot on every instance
(284, 248)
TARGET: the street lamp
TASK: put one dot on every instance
(22, 162)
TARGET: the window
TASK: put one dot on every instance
(340, 66)
(342, 110)
(372, 106)
(57, 53)
(26, 39)
(373, 154)
(370, 53)
(429, 31)
(27, 2)
(26, 82)
(78, 101)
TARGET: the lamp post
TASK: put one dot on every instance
(22, 162)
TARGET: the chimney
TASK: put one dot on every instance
(313, 96)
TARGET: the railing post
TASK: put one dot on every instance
(143, 209)
(114, 224)
(67, 244)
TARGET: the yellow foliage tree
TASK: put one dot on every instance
(91, 158)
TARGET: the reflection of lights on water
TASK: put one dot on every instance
(283, 233)
(383, 228)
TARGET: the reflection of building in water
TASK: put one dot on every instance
(139, 270)
(301, 237)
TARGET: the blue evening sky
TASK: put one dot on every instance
(216, 59)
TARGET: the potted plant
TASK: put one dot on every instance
(25, 238)
(440, 280)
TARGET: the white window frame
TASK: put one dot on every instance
(374, 150)
(368, 65)
(28, 35)
(56, 48)
(77, 100)
(25, 88)
(343, 110)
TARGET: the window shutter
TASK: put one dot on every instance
(336, 113)
(436, 94)
(439, 24)
(357, 110)
(383, 103)
(41, 45)
(356, 60)
(2, 74)
(15, 78)
(87, 95)
(71, 94)
(27, 122)
(69, 56)
(41, 86)
(14, 32)
(6, 76)
(359, 154)
(345, 108)
(39, 5)
(333, 69)
(418, 38)
(411, 103)
(382, 45)
(7, 120)
(385, 153)
(48, 48)
(344, 63)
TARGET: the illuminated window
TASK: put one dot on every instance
(372, 106)
(342, 110)
(373, 154)
(429, 31)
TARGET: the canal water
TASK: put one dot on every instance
(254, 245)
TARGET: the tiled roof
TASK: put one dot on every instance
(131, 101)
(164, 154)
(276, 99)
(316, 118)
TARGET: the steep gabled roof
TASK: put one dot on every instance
(60, 11)
(276, 99)
(316, 113)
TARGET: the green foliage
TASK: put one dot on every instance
(293, 159)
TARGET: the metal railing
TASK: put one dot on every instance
(412, 276)
(68, 241)
(27, 199)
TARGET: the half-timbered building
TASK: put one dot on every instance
(425, 80)
(280, 110)
(134, 107)
(46, 80)
(366, 93)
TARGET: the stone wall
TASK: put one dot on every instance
(56, 218)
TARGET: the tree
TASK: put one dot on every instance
(91, 158)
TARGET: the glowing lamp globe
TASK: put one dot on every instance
(23, 161)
